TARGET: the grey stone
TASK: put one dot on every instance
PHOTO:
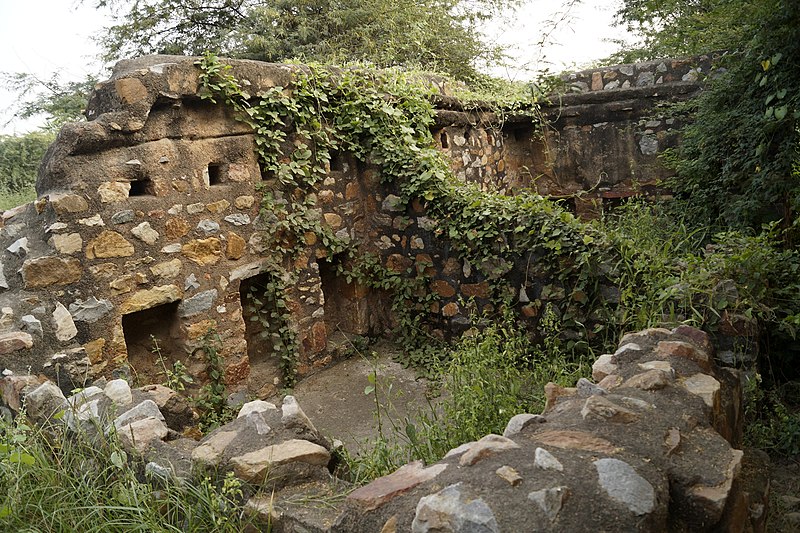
(197, 304)
(191, 282)
(256, 421)
(625, 485)
(139, 434)
(122, 217)
(393, 204)
(648, 145)
(626, 70)
(32, 325)
(546, 460)
(427, 224)
(145, 409)
(171, 248)
(611, 85)
(44, 401)
(207, 227)
(292, 416)
(119, 392)
(238, 219)
(586, 388)
(520, 422)
(90, 310)
(256, 406)
(450, 510)
(3, 282)
(550, 500)
(645, 78)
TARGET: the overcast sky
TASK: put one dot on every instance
(47, 36)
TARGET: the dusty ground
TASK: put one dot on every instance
(784, 499)
(335, 401)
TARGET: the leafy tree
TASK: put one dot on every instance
(670, 28)
(735, 164)
(19, 159)
(443, 35)
(60, 102)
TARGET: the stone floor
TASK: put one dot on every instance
(336, 403)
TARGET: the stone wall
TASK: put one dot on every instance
(147, 224)
(653, 445)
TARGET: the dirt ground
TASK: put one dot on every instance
(784, 501)
(336, 403)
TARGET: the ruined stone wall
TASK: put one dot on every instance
(653, 445)
(147, 224)
(601, 142)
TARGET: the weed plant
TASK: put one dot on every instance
(52, 481)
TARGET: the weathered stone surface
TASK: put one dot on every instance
(19, 247)
(108, 244)
(140, 434)
(574, 440)
(145, 233)
(509, 474)
(203, 251)
(546, 460)
(212, 448)
(63, 323)
(68, 203)
(603, 409)
(603, 366)
(14, 341)
(202, 301)
(149, 298)
(235, 247)
(519, 422)
(90, 310)
(486, 446)
(219, 206)
(113, 191)
(119, 392)
(238, 219)
(255, 466)
(624, 485)
(44, 401)
(11, 389)
(685, 350)
(145, 409)
(386, 488)
(452, 510)
(706, 387)
(651, 380)
(50, 270)
(292, 415)
(243, 202)
(586, 388)
(207, 227)
(549, 501)
(67, 243)
(177, 411)
(256, 406)
(123, 217)
(167, 269)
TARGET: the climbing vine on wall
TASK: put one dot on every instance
(385, 118)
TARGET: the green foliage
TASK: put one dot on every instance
(773, 417)
(489, 377)
(175, 378)
(675, 28)
(51, 481)
(212, 402)
(441, 35)
(20, 157)
(60, 102)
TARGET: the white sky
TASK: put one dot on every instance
(47, 36)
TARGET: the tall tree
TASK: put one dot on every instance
(444, 35)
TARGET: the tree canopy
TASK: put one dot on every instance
(443, 35)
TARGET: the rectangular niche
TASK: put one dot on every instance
(261, 322)
(346, 305)
(141, 328)
(142, 187)
(216, 174)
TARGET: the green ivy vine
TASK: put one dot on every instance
(385, 118)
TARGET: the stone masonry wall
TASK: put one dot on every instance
(651, 446)
(147, 224)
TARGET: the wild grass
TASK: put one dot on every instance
(9, 199)
(51, 481)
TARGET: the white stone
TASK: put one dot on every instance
(119, 391)
(65, 326)
(145, 233)
(92, 221)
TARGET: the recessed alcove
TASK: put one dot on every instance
(142, 187)
(153, 341)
